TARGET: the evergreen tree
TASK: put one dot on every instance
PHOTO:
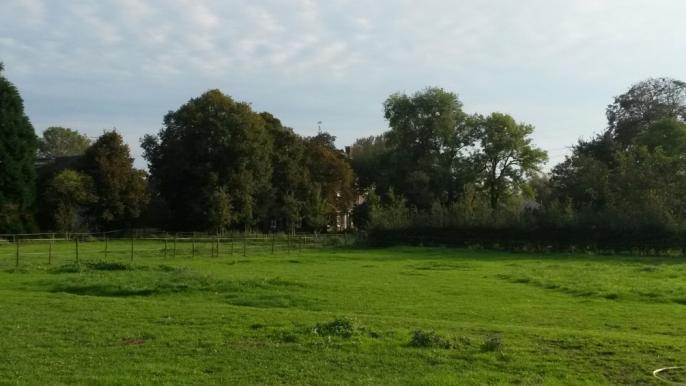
(120, 188)
(17, 158)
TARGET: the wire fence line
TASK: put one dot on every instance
(50, 248)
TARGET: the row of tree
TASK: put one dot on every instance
(439, 168)
(216, 164)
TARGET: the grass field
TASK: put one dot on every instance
(335, 316)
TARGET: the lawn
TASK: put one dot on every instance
(338, 316)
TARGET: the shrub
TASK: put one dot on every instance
(493, 343)
(342, 327)
(421, 338)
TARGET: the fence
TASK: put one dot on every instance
(51, 248)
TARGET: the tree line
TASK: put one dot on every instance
(217, 165)
(460, 178)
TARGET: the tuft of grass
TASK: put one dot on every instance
(66, 268)
(107, 266)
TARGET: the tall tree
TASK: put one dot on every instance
(290, 177)
(211, 141)
(62, 142)
(120, 188)
(17, 158)
(427, 136)
(330, 170)
(506, 154)
(644, 103)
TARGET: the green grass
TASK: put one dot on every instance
(385, 316)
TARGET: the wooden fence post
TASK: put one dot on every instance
(16, 242)
(245, 246)
(165, 247)
(132, 248)
(193, 245)
(174, 250)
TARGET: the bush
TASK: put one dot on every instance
(421, 338)
(493, 343)
(342, 327)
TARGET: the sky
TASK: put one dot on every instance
(555, 64)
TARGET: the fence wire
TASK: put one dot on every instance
(52, 248)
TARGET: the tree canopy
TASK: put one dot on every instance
(62, 142)
(17, 157)
(119, 187)
(212, 143)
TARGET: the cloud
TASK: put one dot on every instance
(546, 61)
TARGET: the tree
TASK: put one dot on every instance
(506, 154)
(583, 178)
(668, 134)
(427, 138)
(219, 210)
(62, 142)
(644, 103)
(120, 188)
(290, 182)
(69, 195)
(370, 160)
(317, 210)
(330, 169)
(17, 158)
(211, 141)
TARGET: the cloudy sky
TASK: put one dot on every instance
(94, 65)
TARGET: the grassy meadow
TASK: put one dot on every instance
(391, 316)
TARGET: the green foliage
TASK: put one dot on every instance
(121, 189)
(317, 210)
(632, 176)
(506, 155)
(430, 339)
(70, 193)
(340, 327)
(17, 156)
(290, 181)
(211, 140)
(219, 210)
(643, 104)
(370, 159)
(426, 143)
(62, 142)
(330, 170)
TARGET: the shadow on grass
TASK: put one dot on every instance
(264, 293)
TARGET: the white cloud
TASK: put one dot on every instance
(336, 60)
